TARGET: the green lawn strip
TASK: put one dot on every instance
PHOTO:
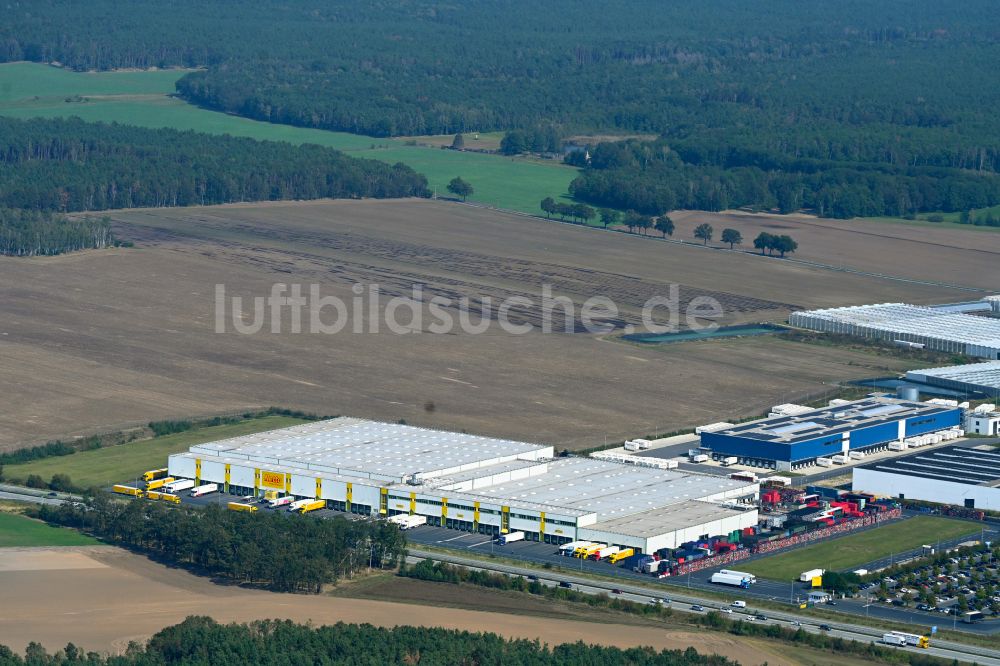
(32, 90)
(19, 531)
(115, 464)
(856, 549)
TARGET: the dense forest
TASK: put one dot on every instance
(200, 641)
(654, 177)
(844, 108)
(286, 553)
(71, 165)
(29, 233)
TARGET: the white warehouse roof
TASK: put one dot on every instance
(386, 450)
(985, 375)
(610, 489)
(941, 330)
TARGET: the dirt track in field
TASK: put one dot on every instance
(102, 339)
(123, 597)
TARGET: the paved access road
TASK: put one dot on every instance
(631, 592)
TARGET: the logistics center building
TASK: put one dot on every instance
(791, 441)
(962, 476)
(473, 483)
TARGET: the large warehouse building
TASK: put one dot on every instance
(951, 475)
(940, 330)
(797, 440)
(474, 483)
(974, 378)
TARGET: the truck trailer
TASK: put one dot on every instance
(312, 505)
(807, 576)
(730, 579)
(510, 537)
(156, 484)
(915, 640)
(154, 474)
(605, 552)
(621, 555)
(749, 576)
(239, 506)
(127, 490)
(280, 501)
(204, 489)
(179, 485)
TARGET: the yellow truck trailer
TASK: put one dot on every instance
(271, 495)
(127, 490)
(239, 506)
(621, 555)
(159, 483)
(587, 551)
(313, 506)
(173, 499)
(153, 495)
(154, 474)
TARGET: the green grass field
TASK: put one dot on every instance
(142, 98)
(114, 464)
(24, 532)
(950, 220)
(856, 549)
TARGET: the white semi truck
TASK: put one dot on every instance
(510, 538)
(180, 484)
(734, 580)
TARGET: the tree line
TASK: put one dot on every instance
(201, 641)
(71, 165)
(283, 552)
(652, 177)
(30, 233)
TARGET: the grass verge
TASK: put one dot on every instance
(24, 532)
(114, 464)
(856, 549)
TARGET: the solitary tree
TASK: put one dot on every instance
(704, 231)
(460, 188)
(458, 143)
(732, 236)
(664, 225)
(608, 216)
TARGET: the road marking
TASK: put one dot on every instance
(460, 536)
(481, 543)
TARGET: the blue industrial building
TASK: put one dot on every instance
(787, 442)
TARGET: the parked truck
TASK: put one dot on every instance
(127, 490)
(154, 474)
(621, 555)
(280, 501)
(808, 576)
(605, 552)
(729, 460)
(168, 497)
(204, 489)
(730, 579)
(510, 537)
(587, 552)
(156, 484)
(240, 506)
(699, 458)
(313, 505)
(298, 504)
(179, 485)
(270, 495)
(567, 549)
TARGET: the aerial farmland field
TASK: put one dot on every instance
(152, 352)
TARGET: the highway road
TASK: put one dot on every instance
(684, 603)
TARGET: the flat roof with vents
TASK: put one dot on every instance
(973, 467)
(871, 411)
